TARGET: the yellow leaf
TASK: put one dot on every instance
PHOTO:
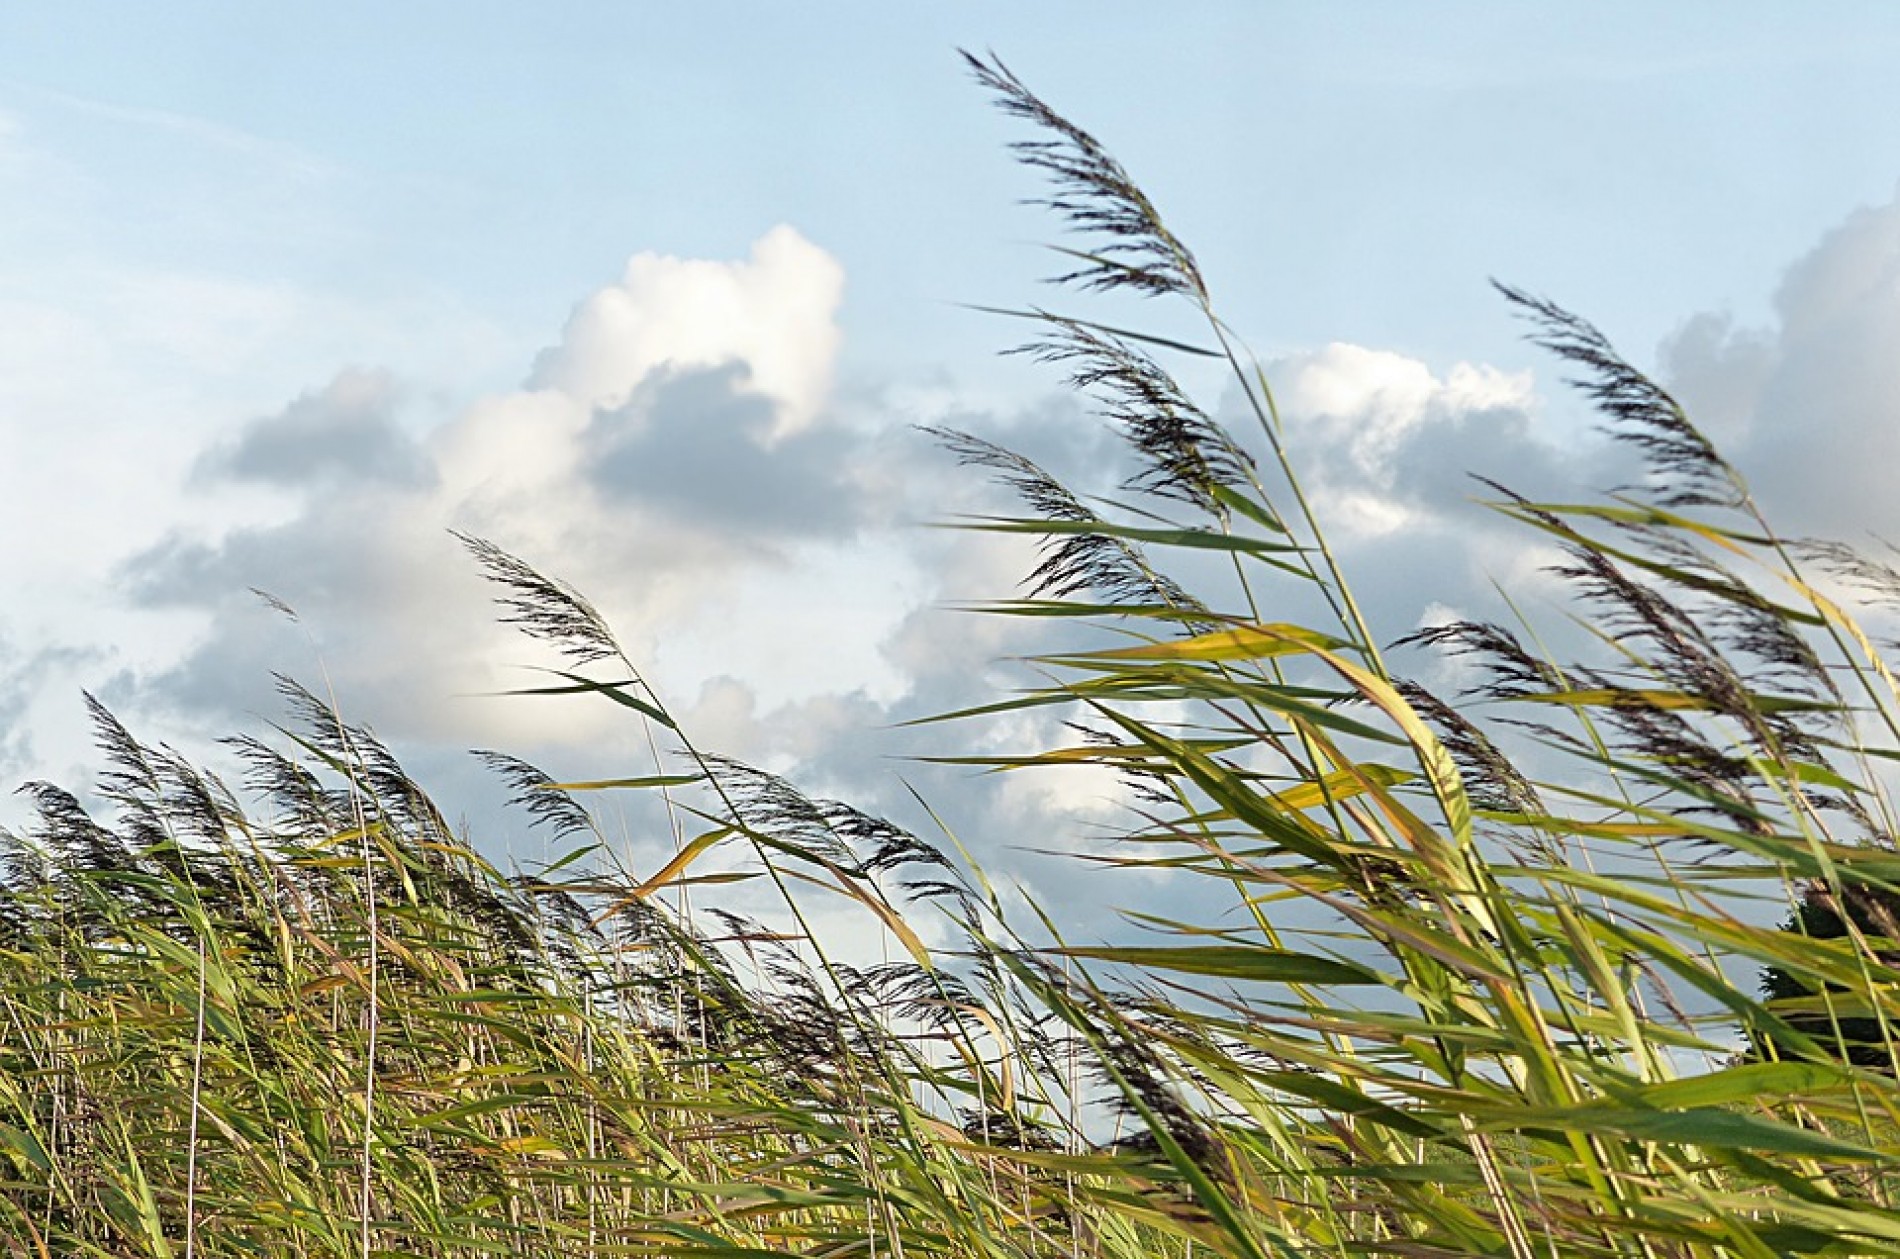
(681, 859)
(1245, 642)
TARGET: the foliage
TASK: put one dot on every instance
(1468, 981)
(1862, 1039)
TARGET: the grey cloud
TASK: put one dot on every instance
(1436, 465)
(694, 446)
(1810, 406)
(1721, 370)
(223, 687)
(675, 494)
(373, 589)
(335, 555)
(1854, 269)
(1433, 465)
(345, 433)
(1449, 551)
(1062, 437)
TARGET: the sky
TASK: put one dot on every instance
(657, 296)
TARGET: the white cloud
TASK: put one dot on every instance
(1368, 424)
(1365, 402)
(773, 313)
(506, 452)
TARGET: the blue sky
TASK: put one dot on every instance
(287, 293)
(1353, 173)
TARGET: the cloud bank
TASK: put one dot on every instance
(681, 453)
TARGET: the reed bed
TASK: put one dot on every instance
(1596, 958)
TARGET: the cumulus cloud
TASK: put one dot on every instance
(1388, 442)
(635, 462)
(772, 313)
(1809, 406)
(1387, 450)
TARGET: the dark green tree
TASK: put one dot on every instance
(1858, 1038)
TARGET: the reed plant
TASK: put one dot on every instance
(1469, 974)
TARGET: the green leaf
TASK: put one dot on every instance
(647, 782)
(1742, 1084)
(1236, 961)
(1706, 1126)
(1043, 317)
(1198, 539)
(615, 691)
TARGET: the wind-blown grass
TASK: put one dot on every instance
(1476, 974)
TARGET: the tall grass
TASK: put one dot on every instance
(1477, 974)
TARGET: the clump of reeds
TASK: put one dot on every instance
(1477, 974)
